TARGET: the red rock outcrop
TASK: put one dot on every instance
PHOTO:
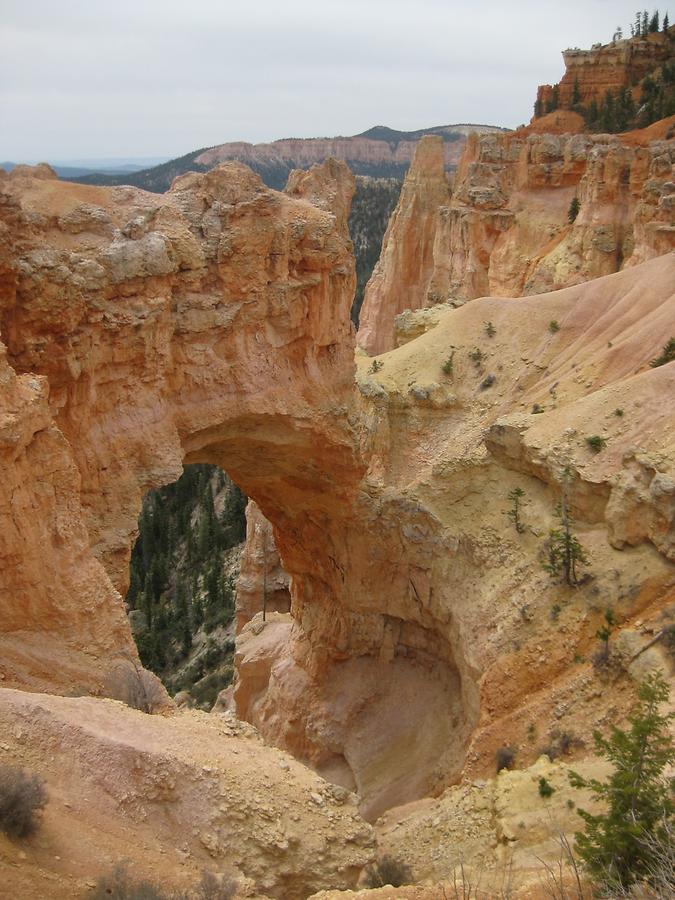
(146, 323)
(464, 605)
(212, 325)
(262, 581)
(400, 279)
(609, 67)
(506, 230)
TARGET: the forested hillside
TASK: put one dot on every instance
(374, 201)
(183, 572)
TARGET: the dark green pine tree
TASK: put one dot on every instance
(565, 552)
(576, 94)
(666, 22)
(213, 590)
(592, 114)
(554, 99)
(573, 210)
(608, 114)
(197, 613)
(654, 23)
(618, 846)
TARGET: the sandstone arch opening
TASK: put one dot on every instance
(203, 565)
(210, 325)
(183, 571)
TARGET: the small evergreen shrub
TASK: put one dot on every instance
(573, 210)
(618, 413)
(487, 382)
(375, 366)
(553, 326)
(517, 498)
(545, 789)
(667, 355)
(561, 744)
(595, 443)
(622, 845)
(537, 408)
(476, 356)
(447, 365)
(563, 550)
(22, 799)
(490, 329)
(603, 634)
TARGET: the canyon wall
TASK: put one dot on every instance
(375, 148)
(506, 230)
(608, 67)
(402, 277)
(211, 324)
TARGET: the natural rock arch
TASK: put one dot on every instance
(211, 324)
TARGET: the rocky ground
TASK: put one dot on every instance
(173, 795)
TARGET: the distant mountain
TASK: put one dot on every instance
(71, 172)
(380, 152)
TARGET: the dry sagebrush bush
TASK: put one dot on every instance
(22, 798)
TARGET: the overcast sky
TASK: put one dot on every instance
(90, 78)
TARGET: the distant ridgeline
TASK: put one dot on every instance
(380, 152)
(626, 84)
(379, 158)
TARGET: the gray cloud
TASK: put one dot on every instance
(87, 78)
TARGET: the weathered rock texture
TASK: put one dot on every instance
(197, 792)
(461, 609)
(505, 230)
(155, 330)
(493, 834)
(609, 67)
(401, 277)
(211, 324)
(262, 581)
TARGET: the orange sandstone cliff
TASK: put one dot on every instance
(211, 324)
(590, 74)
(505, 229)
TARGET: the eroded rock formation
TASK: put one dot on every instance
(262, 581)
(590, 74)
(197, 792)
(211, 325)
(505, 231)
(400, 278)
(155, 330)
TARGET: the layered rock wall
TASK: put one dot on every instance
(400, 278)
(356, 150)
(145, 323)
(212, 325)
(590, 74)
(506, 229)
